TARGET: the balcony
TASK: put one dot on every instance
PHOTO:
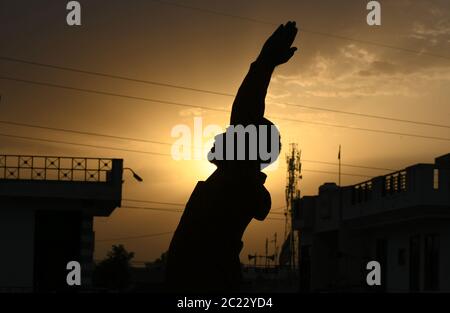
(418, 191)
(408, 193)
(24, 167)
(94, 183)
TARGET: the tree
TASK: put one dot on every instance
(114, 272)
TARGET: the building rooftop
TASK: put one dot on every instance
(420, 189)
(97, 182)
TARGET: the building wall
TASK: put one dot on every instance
(380, 215)
(352, 256)
(16, 242)
(444, 268)
(324, 261)
(398, 277)
(87, 251)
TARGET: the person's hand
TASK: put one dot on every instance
(277, 49)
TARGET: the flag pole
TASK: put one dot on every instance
(339, 157)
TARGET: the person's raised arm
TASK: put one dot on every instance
(249, 104)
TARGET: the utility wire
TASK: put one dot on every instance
(156, 202)
(81, 144)
(348, 165)
(171, 210)
(381, 117)
(108, 75)
(364, 129)
(274, 210)
(335, 173)
(136, 237)
(79, 132)
(152, 209)
(156, 234)
(218, 109)
(76, 70)
(137, 151)
(104, 93)
(324, 34)
(183, 204)
(156, 142)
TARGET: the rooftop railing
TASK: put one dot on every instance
(80, 169)
(362, 192)
(394, 183)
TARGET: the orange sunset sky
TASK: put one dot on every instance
(209, 45)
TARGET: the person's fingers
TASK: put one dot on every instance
(286, 31)
(292, 36)
(278, 30)
(290, 31)
(287, 55)
(290, 25)
(291, 52)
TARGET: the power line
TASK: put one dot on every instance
(249, 19)
(76, 70)
(81, 144)
(153, 141)
(156, 202)
(336, 173)
(108, 75)
(181, 211)
(170, 210)
(159, 234)
(152, 209)
(350, 165)
(274, 210)
(363, 129)
(156, 234)
(181, 204)
(258, 21)
(220, 110)
(381, 117)
(135, 237)
(79, 132)
(135, 151)
(104, 93)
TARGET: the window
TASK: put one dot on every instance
(414, 263)
(403, 181)
(368, 192)
(436, 178)
(362, 192)
(381, 253)
(395, 183)
(431, 262)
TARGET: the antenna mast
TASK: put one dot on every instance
(294, 167)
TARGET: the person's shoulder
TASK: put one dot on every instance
(262, 177)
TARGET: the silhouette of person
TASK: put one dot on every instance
(204, 252)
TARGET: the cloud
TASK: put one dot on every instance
(436, 33)
(356, 71)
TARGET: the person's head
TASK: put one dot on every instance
(256, 144)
